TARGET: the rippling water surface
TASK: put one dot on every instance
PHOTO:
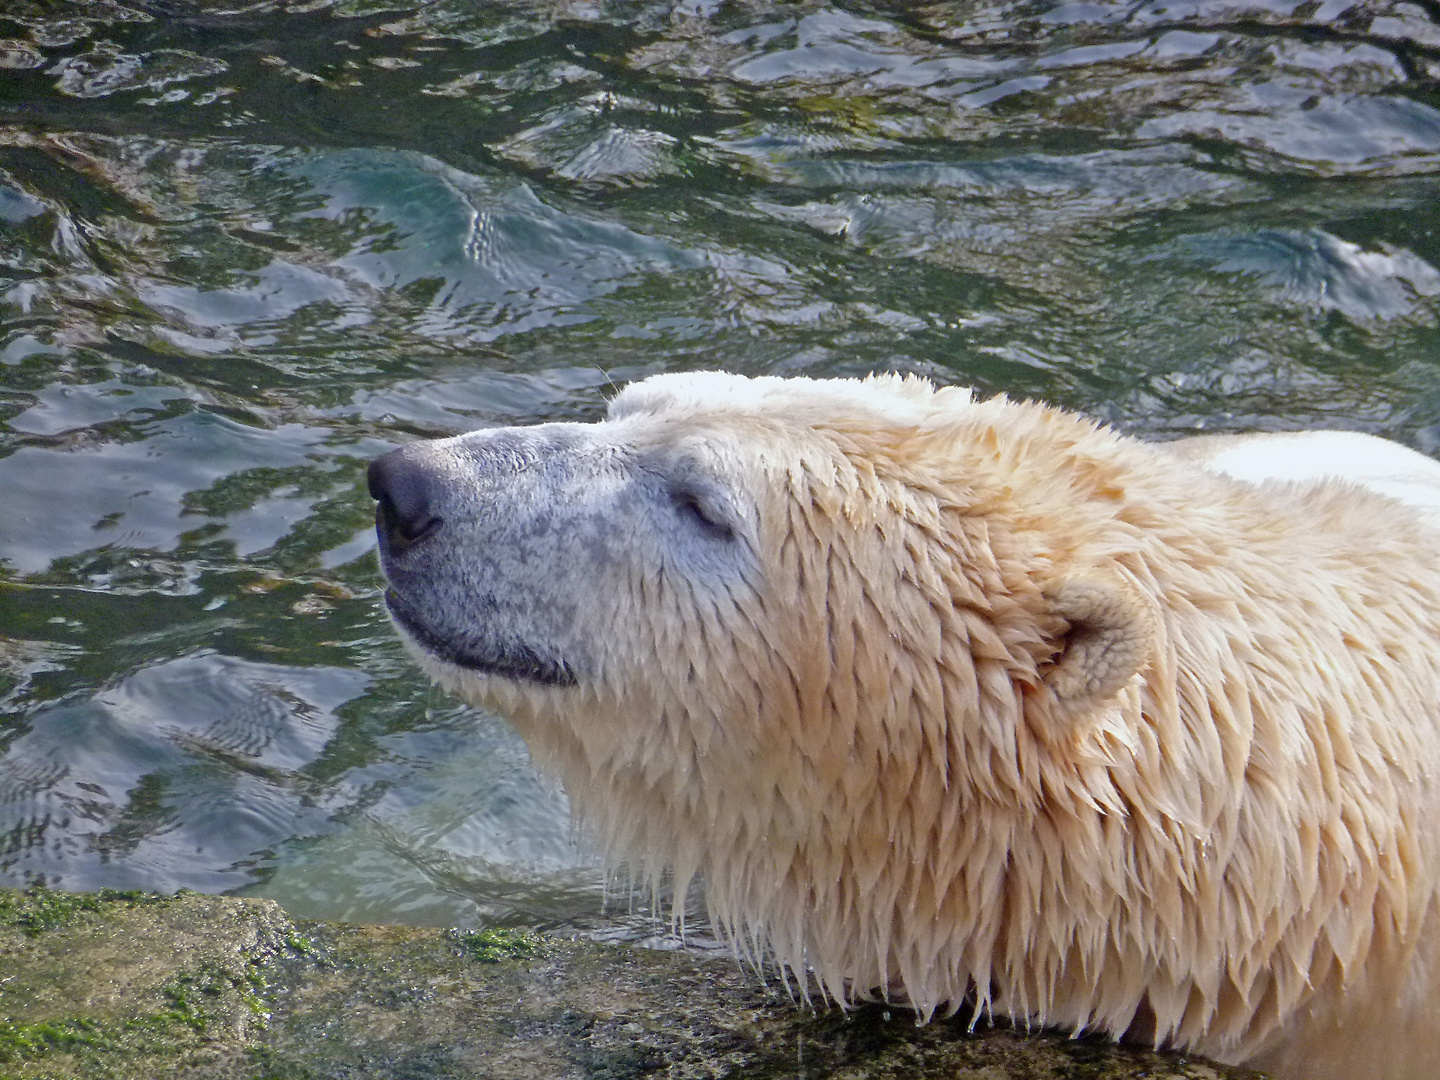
(246, 246)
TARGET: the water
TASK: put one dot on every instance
(247, 245)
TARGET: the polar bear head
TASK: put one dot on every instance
(828, 643)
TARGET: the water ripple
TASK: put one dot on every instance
(105, 70)
(1373, 136)
(1317, 270)
(91, 784)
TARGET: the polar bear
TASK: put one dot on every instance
(957, 700)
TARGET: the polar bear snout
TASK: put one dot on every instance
(470, 531)
(404, 490)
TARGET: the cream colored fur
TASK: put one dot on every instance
(1025, 711)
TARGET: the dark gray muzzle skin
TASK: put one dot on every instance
(471, 530)
(521, 552)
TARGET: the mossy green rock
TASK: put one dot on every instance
(132, 985)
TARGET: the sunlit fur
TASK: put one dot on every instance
(894, 768)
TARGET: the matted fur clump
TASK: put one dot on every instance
(950, 699)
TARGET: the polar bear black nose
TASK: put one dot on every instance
(403, 488)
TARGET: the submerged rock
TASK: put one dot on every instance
(137, 985)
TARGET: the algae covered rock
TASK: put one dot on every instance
(113, 984)
(135, 985)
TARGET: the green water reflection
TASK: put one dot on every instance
(246, 246)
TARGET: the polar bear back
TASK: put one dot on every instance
(1310, 457)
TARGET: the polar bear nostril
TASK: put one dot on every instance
(402, 488)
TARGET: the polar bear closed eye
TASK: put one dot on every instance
(953, 699)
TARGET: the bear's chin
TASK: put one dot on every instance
(507, 659)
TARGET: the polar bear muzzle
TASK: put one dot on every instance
(517, 552)
(452, 553)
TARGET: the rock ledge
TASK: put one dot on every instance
(135, 985)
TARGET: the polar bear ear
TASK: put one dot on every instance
(1110, 636)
